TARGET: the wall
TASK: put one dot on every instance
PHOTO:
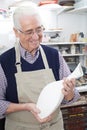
(72, 23)
(5, 3)
(7, 38)
(49, 19)
(69, 22)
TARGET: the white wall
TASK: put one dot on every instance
(7, 37)
(69, 22)
(49, 19)
(72, 23)
(5, 3)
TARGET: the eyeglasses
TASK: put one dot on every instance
(30, 32)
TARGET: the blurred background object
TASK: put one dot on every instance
(66, 2)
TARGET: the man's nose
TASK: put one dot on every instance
(35, 35)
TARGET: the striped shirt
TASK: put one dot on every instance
(63, 72)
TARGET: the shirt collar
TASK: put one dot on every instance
(24, 52)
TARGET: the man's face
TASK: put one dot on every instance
(31, 32)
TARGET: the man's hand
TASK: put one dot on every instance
(35, 111)
(68, 89)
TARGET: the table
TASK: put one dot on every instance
(75, 115)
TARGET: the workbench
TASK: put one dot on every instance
(75, 115)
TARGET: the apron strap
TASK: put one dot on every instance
(18, 62)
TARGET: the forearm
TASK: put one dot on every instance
(7, 107)
(15, 107)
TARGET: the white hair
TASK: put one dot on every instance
(25, 8)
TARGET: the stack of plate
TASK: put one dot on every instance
(66, 2)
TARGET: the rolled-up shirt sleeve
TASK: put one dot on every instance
(75, 98)
(3, 84)
(64, 71)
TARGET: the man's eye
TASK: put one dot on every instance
(29, 33)
(39, 30)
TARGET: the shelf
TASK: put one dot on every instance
(65, 9)
(82, 88)
(53, 31)
(72, 9)
(69, 55)
(79, 10)
(79, 55)
(63, 43)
